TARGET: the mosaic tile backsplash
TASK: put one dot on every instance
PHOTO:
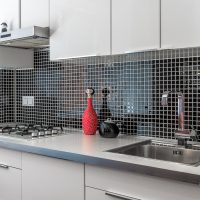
(6, 96)
(134, 84)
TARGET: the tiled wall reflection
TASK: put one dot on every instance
(134, 83)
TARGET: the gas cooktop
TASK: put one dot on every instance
(30, 131)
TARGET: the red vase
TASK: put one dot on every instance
(89, 120)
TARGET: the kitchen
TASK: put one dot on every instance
(137, 61)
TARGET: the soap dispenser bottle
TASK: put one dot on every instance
(89, 119)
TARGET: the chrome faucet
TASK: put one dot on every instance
(181, 134)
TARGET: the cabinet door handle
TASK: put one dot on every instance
(119, 196)
(4, 166)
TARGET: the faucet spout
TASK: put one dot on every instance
(181, 133)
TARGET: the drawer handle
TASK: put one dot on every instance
(4, 166)
(119, 196)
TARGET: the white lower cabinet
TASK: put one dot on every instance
(45, 178)
(110, 184)
(10, 183)
(10, 175)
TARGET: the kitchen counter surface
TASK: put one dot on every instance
(77, 147)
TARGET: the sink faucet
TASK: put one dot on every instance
(181, 134)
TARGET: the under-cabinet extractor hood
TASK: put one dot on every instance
(31, 37)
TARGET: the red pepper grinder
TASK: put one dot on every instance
(89, 120)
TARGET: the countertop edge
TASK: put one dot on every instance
(91, 160)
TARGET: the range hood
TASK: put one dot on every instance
(26, 38)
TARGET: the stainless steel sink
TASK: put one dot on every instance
(148, 149)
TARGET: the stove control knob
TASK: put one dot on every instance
(34, 134)
(41, 133)
(54, 132)
(47, 132)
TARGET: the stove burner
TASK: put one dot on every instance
(30, 130)
(22, 132)
(8, 129)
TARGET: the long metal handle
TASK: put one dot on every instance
(4, 166)
(119, 196)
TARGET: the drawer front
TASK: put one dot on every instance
(139, 186)
(10, 158)
(10, 183)
(95, 194)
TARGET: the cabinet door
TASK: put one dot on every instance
(135, 25)
(79, 28)
(45, 178)
(10, 157)
(180, 23)
(10, 183)
(34, 13)
(10, 13)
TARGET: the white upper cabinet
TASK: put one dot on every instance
(34, 13)
(135, 25)
(79, 28)
(180, 23)
(10, 13)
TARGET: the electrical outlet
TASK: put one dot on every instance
(28, 101)
(24, 101)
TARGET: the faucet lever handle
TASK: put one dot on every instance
(164, 101)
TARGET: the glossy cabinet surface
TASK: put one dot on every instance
(10, 183)
(79, 28)
(10, 175)
(180, 23)
(50, 178)
(34, 13)
(135, 25)
(10, 158)
(10, 13)
(135, 186)
(103, 27)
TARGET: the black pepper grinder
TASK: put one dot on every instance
(104, 112)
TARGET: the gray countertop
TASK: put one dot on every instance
(77, 147)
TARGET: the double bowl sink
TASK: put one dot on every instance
(160, 151)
